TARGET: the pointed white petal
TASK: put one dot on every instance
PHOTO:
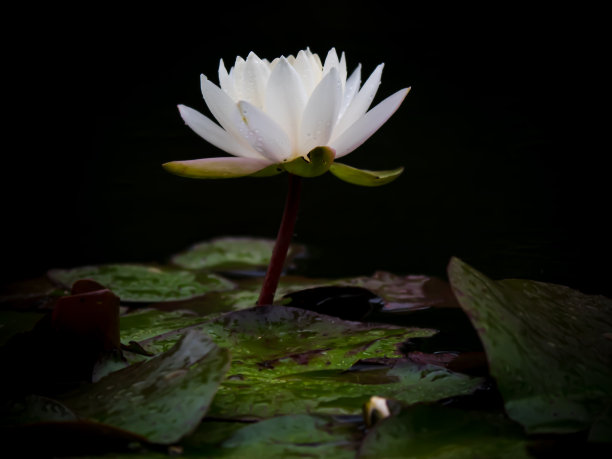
(214, 134)
(350, 89)
(305, 70)
(361, 130)
(361, 102)
(216, 168)
(342, 68)
(285, 98)
(226, 84)
(264, 134)
(225, 111)
(254, 81)
(331, 61)
(321, 113)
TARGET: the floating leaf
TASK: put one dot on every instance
(298, 435)
(231, 253)
(162, 399)
(547, 348)
(288, 360)
(148, 323)
(439, 433)
(139, 283)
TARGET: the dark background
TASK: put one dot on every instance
(497, 137)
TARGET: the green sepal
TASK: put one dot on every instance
(273, 169)
(317, 162)
(364, 177)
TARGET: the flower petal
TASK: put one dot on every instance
(307, 72)
(264, 134)
(331, 61)
(213, 168)
(361, 102)
(363, 177)
(214, 134)
(367, 125)
(225, 81)
(350, 89)
(226, 112)
(285, 98)
(254, 80)
(321, 112)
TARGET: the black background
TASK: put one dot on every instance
(497, 137)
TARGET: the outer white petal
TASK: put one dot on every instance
(214, 134)
(264, 134)
(331, 61)
(225, 82)
(304, 68)
(285, 98)
(361, 102)
(350, 89)
(361, 130)
(254, 80)
(226, 112)
(321, 113)
(342, 69)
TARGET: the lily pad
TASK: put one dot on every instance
(148, 323)
(140, 283)
(288, 360)
(440, 433)
(231, 253)
(548, 347)
(162, 399)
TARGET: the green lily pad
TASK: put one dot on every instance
(298, 435)
(288, 360)
(162, 399)
(435, 432)
(363, 177)
(140, 283)
(148, 323)
(231, 253)
(548, 347)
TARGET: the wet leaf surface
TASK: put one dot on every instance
(200, 372)
(231, 254)
(288, 360)
(162, 399)
(140, 283)
(439, 432)
(547, 349)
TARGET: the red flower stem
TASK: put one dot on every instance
(283, 240)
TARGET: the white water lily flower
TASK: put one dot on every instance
(294, 113)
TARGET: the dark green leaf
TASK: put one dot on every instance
(231, 253)
(162, 399)
(288, 360)
(435, 432)
(547, 347)
(139, 283)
